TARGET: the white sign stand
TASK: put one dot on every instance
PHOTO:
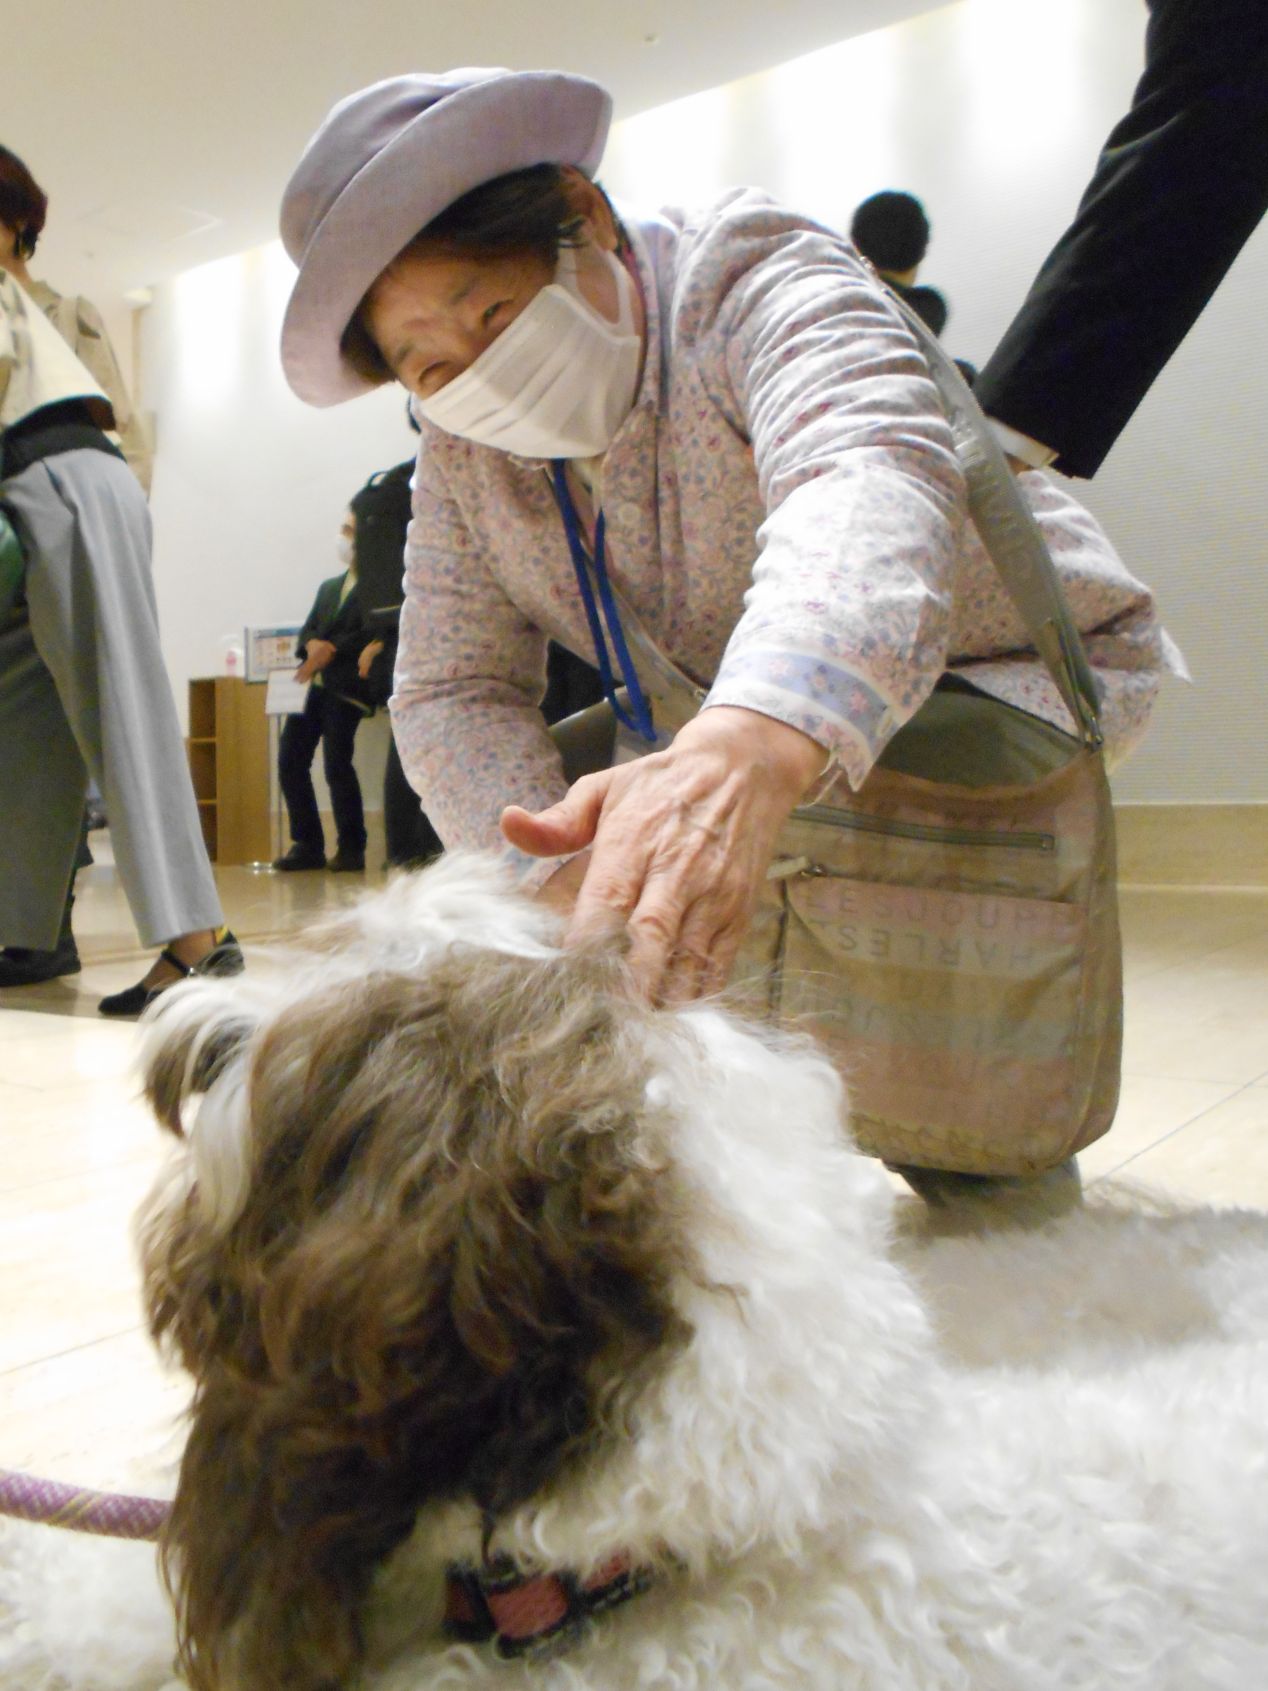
(285, 695)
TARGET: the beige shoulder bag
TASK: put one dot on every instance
(949, 932)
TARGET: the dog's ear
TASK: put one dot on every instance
(457, 1247)
(190, 1043)
(272, 1600)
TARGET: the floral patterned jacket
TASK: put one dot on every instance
(785, 513)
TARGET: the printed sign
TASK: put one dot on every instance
(268, 649)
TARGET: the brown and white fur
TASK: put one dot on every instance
(469, 1253)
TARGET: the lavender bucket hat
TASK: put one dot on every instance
(389, 159)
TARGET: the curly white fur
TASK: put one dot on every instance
(1034, 1461)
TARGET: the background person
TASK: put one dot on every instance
(381, 511)
(891, 230)
(23, 209)
(83, 687)
(782, 505)
(1179, 187)
(330, 645)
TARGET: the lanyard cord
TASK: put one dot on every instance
(641, 722)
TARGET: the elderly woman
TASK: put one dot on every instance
(731, 412)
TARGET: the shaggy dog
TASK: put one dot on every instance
(515, 1308)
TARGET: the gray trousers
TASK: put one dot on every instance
(83, 690)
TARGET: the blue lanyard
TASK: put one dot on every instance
(641, 723)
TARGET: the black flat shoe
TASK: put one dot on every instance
(22, 966)
(347, 862)
(300, 857)
(224, 959)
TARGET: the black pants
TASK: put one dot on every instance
(334, 722)
(411, 839)
(1180, 185)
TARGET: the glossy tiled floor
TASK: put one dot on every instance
(81, 1396)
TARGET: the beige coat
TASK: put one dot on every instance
(81, 326)
(37, 368)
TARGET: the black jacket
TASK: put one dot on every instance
(1181, 183)
(344, 626)
(381, 511)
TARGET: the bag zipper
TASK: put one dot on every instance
(861, 822)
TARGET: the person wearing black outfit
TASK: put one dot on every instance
(381, 511)
(339, 699)
(891, 230)
(1179, 187)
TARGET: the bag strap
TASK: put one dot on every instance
(1013, 539)
(676, 696)
(591, 572)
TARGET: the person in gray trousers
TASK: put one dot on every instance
(83, 690)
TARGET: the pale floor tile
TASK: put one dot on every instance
(1149, 1108)
(70, 1051)
(1220, 1159)
(20, 1024)
(58, 1131)
(1164, 927)
(106, 1415)
(1202, 1024)
(66, 1262)
(1196, 968)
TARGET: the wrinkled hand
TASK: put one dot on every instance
(368, 655)
(317, 654)
(680, 844)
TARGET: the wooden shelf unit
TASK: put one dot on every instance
(229, 762)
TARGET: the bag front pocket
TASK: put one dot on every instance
(953, 1014)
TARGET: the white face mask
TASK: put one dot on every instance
(558, 383)
(345, 551)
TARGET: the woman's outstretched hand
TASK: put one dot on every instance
(680, 842)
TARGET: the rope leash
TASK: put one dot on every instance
(109, 1514)
(530, 1615)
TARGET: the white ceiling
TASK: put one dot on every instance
(164, 131)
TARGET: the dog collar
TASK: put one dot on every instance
(534, 1614)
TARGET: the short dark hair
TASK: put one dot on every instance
(525, 211)
(892, 230)
(23, 203)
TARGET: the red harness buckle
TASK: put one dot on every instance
(534, 1614)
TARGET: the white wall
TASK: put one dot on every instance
(993, 112)
(249, 485)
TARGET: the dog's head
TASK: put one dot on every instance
(460, 1231)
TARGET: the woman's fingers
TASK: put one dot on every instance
(668, 865)
(566, 827)
(681, 842)
(654, 928)
(708, 941)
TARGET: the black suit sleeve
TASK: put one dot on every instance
(1181, 184)
(313, 623)
(347, 633)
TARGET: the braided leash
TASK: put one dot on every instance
(534, 1615)
(109, 1514)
